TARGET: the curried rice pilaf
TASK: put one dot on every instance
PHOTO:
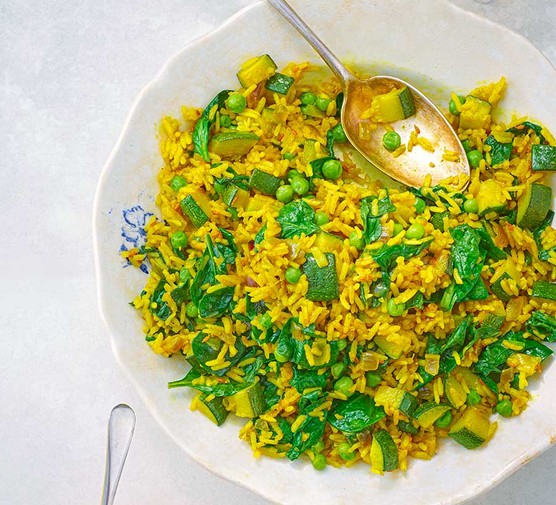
(346, 321)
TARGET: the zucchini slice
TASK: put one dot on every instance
(543, 158)
(392, 106)
(396, 398)
(279, 83)
(264, 182)
(428, 413)
(248, 402)
(543, 289)
(471, 430)
(323, 281)
(193, 211)
(533, 205)
(491, 198)
(454, 392)
(232, 144)
(384, 452)
(256, 70)
(213, 409)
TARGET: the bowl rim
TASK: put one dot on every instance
(464, 496)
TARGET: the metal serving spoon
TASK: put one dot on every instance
(120, 432)
(411, 168)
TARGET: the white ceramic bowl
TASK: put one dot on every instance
(454, 50)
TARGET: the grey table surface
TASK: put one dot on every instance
(70, 71)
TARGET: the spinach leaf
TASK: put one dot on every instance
(542, 326)
(330, 142)
(457, 338)
(205, 350)
(161, 308)
(201, 130)
(259, 237)
(522, 128)
(488, 245)
(295, 218)
(544, 254)
(229, 237)
(306, 379)
(386, 255)
(270, 392)
(216, 303)
(468, 259)
(355, 414)
(316, 166)
(293, 347)
(181, 294)
(227, 388)
(311, 429)
(372, 228)
(209, 265)
(499, 151)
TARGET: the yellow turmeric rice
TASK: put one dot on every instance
(348, 322)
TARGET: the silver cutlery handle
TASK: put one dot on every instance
(291, 16)
(120, 432)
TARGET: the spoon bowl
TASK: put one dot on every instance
(410, 168)
(447, 158)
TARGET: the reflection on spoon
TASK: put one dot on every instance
(444, 155)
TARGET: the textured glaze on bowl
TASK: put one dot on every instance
(455, 50)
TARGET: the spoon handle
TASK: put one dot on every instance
(291, 16)
(120, 432)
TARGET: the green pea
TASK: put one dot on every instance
(339, 134)
(373, 379)
(398, 228)
(332, 169)
(219, 187)
(308, 98)
(284, 193)
(177, 183)
(379, 289)
(342, 344)
(178, 240)
(265, 320)
(504, 408)
(225, 121)
(395, 309)
(300, 185)
(236, 103)
(318, 447)
(391, 141)
(344, 451)
(337, 370)
(322, 103)
(415, 231)
(288, 156)
(319, 462)
(344, 386)
(474, 157)
(293, 173)
(453, 108)
(473, 398)
(184, 275)
(191, 310)
(356, 240)
(445, 420)
(467, 146)
(321, 218)
(471, 206)
(420, 205)
(293, 275)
